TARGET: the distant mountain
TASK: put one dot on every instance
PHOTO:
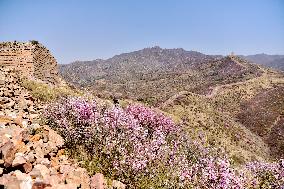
(154, 74)
(272, 61)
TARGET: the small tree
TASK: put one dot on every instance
(34, 42)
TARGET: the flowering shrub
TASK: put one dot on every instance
(266, 175)
(146, 149)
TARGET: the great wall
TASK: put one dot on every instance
(30, 59)
(32, 155)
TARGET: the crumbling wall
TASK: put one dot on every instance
(31, 60)
(18, 56)
(45, 65)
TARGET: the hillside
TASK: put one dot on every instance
(223, 89)
(271, 61)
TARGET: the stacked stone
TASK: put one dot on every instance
(32, 60)
(32, 155)
(18, 56)
(45, 65)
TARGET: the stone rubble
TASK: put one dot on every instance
(32, 155)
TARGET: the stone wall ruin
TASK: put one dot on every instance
(31, 60)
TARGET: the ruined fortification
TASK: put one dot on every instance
(31, 60)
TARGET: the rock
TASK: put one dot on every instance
(19, 160)
(25, 123)
(36, 137)
(44, 171)
(40, 185)
(8, 151)
(54, 137)
(98, 181)
(19, 175)
(25, 136)
(45, 137)
(29, 160)
(24, 179)
(10, 182)
(27, 183)
(43, 161)
(53, 171)
(10, 104)
(35, 173)
(63, 159)
(53, 180)
(2, 81)
(118, 185)
(79, 177)
(2, 125)
(39, 152)
(54, 161)
(30, 157)
(21, 147)
(65, 169)
(27, 167)
(35, 126)
(8, 136)
(63, 186)
(33, 116)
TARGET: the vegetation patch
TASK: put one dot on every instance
(48, 93)
(146, 149)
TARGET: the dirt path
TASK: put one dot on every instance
(217, 88)
(274, 124)
(172, 98)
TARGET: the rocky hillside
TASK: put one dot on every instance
(32, 156)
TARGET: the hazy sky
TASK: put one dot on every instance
(86, 30)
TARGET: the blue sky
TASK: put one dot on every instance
(86, 30)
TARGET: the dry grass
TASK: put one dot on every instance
(217, 129)
(47, 93)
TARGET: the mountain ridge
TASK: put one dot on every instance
(274, 61)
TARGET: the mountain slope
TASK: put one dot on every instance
(271, 61)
